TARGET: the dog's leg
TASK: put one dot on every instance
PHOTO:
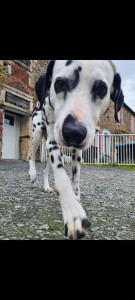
(47, 188)
(76, 166)
(75, 218)
(36, 139)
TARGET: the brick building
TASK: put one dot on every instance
(126, 117)
(17, 99)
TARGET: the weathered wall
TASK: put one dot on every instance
(19, 78)
(38, 68)
(126, 120)
(1, 129)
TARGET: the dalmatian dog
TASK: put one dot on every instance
(72, 96)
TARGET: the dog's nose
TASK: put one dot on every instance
(74, 133)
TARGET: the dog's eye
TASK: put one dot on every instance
(99, 89)
(60, 85)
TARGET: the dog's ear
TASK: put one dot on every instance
(117, 95)
(43, 84)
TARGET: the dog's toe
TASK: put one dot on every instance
(85, 224)
(49, 190)
(76, 225)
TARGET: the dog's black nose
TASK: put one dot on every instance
(74, 133)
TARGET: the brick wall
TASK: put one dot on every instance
(19, 78)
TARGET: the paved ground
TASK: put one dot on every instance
(26, 212)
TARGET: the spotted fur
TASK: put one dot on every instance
(72, 96)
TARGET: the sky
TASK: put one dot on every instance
(126, 69)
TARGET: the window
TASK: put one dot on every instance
(26, 62)
(9, 120)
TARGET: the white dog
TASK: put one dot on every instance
(72, 96)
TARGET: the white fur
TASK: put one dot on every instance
(79, 101)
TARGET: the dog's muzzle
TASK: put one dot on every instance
(73, 132)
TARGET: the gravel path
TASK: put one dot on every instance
(26, 212)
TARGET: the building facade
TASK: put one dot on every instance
(126, 123)
(17, 100)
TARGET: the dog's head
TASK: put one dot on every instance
(79, 92)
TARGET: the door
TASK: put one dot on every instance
(11, 134)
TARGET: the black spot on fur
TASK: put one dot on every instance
(79, 69)
(47, 121)
(43, 111)
(35, 109)
(43, 128)
(74, 171)
(73, 81)
(34, 114)
(73, 157)
(39, 123)
(60, 166)
(55, 148)
(69, 62)
(99, 89)
(59, 158)
(34, 126)
(66, 230)
(64, 85)
(52, 143)
(78, 158)
(52, 159)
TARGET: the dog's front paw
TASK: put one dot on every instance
(48, 190)
(33, 176)
(75, 220)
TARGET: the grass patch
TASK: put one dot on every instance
(120, 167)
(54, 227)
(9, 169)
(27, 179)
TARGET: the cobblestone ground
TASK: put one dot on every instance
(26, 212)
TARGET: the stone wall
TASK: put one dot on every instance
(38, 67)
(1, 129)
(25, 137)
(126, 117)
